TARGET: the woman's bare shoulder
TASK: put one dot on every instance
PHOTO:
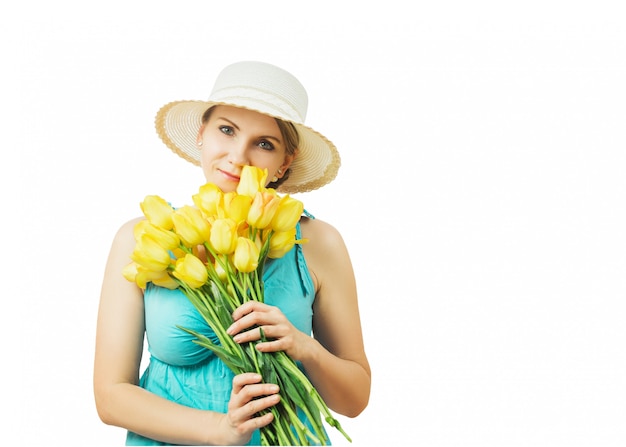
(320, 231)
(125, 235)
(324, 247)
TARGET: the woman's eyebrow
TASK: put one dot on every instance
(269, 137)
(226, 119)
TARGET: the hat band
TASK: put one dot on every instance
(262, 101)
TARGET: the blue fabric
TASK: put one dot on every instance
(184, 372)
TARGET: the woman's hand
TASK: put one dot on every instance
(281, 335)
(248, 397)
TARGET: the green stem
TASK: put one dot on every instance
(216, 301)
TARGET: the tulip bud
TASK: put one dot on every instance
(246, 257)
(281, 243)
(288, 214)
(223, 237)
(191, 271)
(130, 271)
(251, 181)
(142, 277)
(178, 253)
(236, 206)
(191, 226)
(165, 280)
(166, 238)
(263, 208)
(140, 228)
(150, 254)
(208, 199)
(219, 270)
(158, 211)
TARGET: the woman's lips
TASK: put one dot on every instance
(229, 176)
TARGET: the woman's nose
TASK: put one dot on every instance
(238, 154)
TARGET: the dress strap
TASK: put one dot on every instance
(308, 288)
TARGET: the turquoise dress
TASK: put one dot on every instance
(184, 372)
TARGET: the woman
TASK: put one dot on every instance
(254, 116)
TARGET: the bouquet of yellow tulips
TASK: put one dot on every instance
(215, 253)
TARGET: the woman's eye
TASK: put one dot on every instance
(226, 130)
(266, 145)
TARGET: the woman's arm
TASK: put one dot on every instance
(337, 364)
(334, 358)
(119, 347)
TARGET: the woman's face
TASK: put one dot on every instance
(233, 138)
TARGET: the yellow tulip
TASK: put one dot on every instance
(158, 211)
(150, 254)
(178, 253)
(246, 257)
(288, 214)
(191, 271)
(263, 208)
(221, 273)
(191, 226)
(133, 272)
(141, 276)
(165, 280)
(209, 199)
(167, 239)
(130, 271)
(281, 243)
(140, 228)
(251, 181)
(224, 236)
(236, 206)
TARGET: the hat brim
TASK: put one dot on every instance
(316, 164)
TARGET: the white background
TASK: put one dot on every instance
(481, 195)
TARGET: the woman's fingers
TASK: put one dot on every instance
(241, 380)
(249, 317)
(253, 317)
(250, 397)
(248, 386)
(250, 314)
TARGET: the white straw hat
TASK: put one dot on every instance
(267, 89)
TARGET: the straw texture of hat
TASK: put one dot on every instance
(267, 89)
